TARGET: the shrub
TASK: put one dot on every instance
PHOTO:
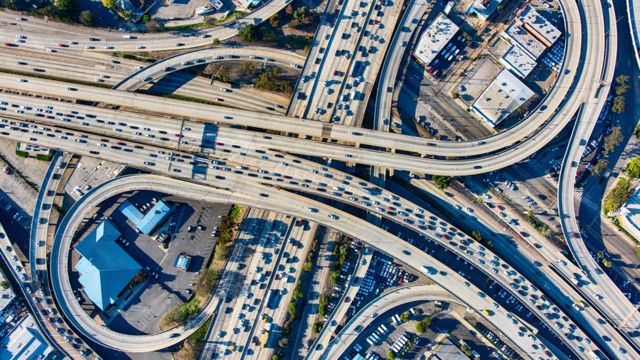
(633, 168)
(441, 181)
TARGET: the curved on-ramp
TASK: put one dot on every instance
(161, 68)
(279, 201)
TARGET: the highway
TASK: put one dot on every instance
(278, 201)
(40, 234)
(337, 315)
(41, 33)
(620, 310)
(96, 68)
(378, 307)
(303, 174)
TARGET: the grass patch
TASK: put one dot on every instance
(207, 23)
(192, 345)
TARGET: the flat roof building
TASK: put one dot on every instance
(518, 35)
(25, 342)
(504, 95)
(105, 268)
(629, 214)
(483, 8)
(538, 26)
(146, 223)
(446, 350)
(519, 62)
(434, 39)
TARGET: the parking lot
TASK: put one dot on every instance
(189, 227)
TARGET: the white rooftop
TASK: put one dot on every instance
(539, 26)
(521, 37)
(483, 8)
(434, 38)
(503, 96)
(518, 61)
(630, 214)
(24, 342)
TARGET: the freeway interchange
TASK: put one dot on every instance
(234, 156)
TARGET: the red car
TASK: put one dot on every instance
(347, 299)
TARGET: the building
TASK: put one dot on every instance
(531, 32)
(517, 35)
(483, 9)
(212, 6)
(105, 268)
(538, 26)
(629, 214)
(6, 296)
(249, 4)
(25, 342)
(519, 62)
(446, 350)
(182, 262)
(504, 95)
(434, 39)
(148, 222)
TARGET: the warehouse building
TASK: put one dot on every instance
(25, 341)
(519, 62)
(538, 26)
(434, 39)
(148, 222)
(105, 268)
(504, 95)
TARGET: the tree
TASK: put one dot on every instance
(612, 140)
(333, 277)
(455, 95)
(622, 86)
(154, 26)
(618, 106)
(607, 263)
(420, 328)
(426, 320)
(4, 285)
(617, 197)
(404, 317)
(216, 41)
(317, 327)
(307, 266)
(391, 355)
(274, 20)
(476, 235)
(109, 4)
(249, 33)
(638, 251)
(633, 168)
(292, 309)
(86, 18)
(599, 166)
(441, 181)
(301, 14)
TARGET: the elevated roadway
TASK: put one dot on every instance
(279, 201)
(214, 176)
(633, 15)
(95, 68)
(41, 33)
(300, 175)
(620, 310)
(168, 65)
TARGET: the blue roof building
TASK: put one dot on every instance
(146, 223)
(105, 268)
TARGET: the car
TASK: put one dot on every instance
(347, 299)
